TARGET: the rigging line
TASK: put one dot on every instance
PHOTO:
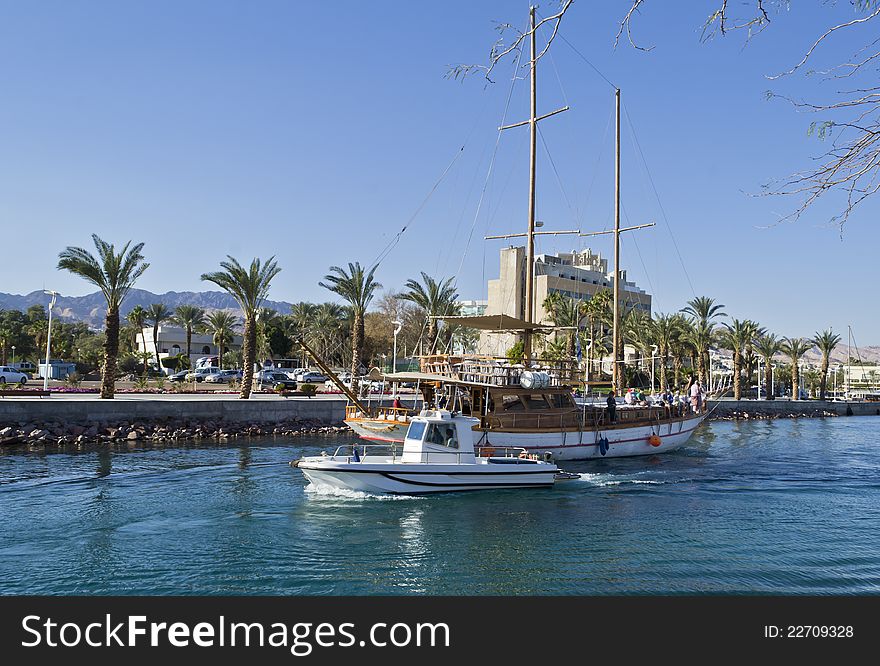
(599, 161)
(595, 69)
(558, 179)
(641, 260)
(491, 168)
(659, 203)
(384, 253)
(584, 58)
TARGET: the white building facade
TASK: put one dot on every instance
(172, 342)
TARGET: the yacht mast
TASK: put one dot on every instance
(617, 371)
(529, 313)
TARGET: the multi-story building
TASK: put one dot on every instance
(578, 275)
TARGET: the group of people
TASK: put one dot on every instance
(690, 399)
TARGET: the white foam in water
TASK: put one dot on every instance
(603, 480)
(331, 492)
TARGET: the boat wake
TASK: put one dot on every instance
(330, 492)
(606, 480)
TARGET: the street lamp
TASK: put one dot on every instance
(758, 361)
(54, 295)
(13, 356)
(654, 349)
(397, 326)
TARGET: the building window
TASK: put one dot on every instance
(206, 349)
(175, 350)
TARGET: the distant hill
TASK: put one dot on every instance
(91, 308)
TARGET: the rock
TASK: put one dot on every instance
(133, 435)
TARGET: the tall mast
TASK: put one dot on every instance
(529, 313)
(617, 372)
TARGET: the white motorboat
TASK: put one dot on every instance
(438, 456)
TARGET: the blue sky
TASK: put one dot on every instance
(315, 131)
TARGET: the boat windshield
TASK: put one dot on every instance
(416, 430)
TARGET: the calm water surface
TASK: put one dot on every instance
(788, 506)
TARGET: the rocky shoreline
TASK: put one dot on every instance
(62, 435)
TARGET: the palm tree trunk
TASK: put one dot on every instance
(156, 344)
(250, 344)
(111, 351)
(676, 370)
(795, 394)
(664, 359)
(768, 379)
(189, 335)
(357, 344)
(737, 375)
(707, 365)
(823, 382)
(432, 335)
(144, 340)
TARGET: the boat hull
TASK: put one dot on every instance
(401, 479)
(562, 445)
(585, 445)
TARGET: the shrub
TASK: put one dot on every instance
(74, 379)
(309, 389)
(160, 381)
(280, 388)
(141, 382)
(516, 354)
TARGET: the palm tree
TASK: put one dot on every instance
(222, 325)
(703, 309)
(436, 299)
(768, 346)
(191, 319)
(795, 348)
(302, 316)
(755, 331)
(826, 341)
(249, 287)
(666, 328)
(567, 312)
(138, 319)
(157, 314)
(598, 310)
(358, 288)
(114, 274)
(735, 336)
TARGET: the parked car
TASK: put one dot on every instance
(178, 376)
(199, 374)
(224, 376)
(10, 375)
(273, 378)
(313, 378)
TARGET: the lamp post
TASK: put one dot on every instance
(13, 356)
(654, 349)
(758, 361)
(54, 295)
(397, 326)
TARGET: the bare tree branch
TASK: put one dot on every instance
(851, 165)
(499, 50)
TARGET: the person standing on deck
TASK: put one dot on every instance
(695, 397)
(612, 407)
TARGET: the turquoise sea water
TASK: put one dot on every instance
(787, 506)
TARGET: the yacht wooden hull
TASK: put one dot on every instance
(569, 444)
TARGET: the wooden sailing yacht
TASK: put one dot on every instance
(530, 405)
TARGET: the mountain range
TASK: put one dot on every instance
(91, 308)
